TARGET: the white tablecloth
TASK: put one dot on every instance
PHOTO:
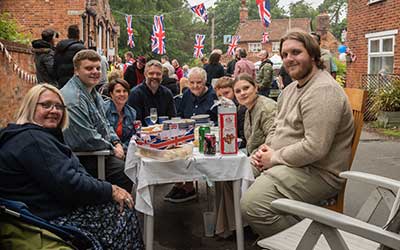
(146, 171)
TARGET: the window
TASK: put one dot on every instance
(381, 52)
(275, 46)
(254, 47)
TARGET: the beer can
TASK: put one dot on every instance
(203, 130)
(137, 125)
(210, 144)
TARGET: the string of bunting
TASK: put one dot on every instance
(22, 74)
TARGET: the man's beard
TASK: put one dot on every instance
(153, 83)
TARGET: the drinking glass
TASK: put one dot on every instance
(153, 115)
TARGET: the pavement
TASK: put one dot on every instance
(180, 226)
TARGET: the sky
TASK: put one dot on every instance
(283, 3)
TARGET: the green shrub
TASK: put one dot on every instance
(9, 30)
(388, 98)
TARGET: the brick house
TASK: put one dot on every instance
(250, 32)
(372, 29)
(97, 25)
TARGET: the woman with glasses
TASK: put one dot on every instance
(38, 169)
(120, 115)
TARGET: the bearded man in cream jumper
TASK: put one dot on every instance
(309, 143)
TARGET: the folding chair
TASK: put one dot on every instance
(101, 161)
(341, 232)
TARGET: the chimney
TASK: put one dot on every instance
(323, 24)
(244, 12)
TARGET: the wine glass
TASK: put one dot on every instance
(153, 115)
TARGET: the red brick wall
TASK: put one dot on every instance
(36, 15)
(12, 87)
(363, 19)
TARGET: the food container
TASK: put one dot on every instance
(180, 152)
(227, 120)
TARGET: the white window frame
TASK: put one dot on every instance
(254, 47)
(275, 46)
(100, 39)
(380, 36)
(374, 1)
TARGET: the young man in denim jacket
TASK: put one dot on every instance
(89, 129)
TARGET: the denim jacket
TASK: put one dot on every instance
(128, 129)
(89, 129)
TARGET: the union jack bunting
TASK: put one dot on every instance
(129, 30)
(200, 10)
(232, 46)
(199, 45)
(264, 11)
(265, 37)
(158, 36)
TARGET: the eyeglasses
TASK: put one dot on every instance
(50, 106)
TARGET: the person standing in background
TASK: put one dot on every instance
(265, 75)
(178, 69)
(129, 60)
(65, 52)
(244, 65)
(43, 50)
(214, 68)
(134, 74)
(230, 68)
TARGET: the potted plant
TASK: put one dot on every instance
(386, 102)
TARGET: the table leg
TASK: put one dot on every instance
(238, 215)
(149, 224)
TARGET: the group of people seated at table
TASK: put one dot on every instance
(295, 152)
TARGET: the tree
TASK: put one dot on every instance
(336, 10)
(9, 30)
(301, 9)
(226, 14)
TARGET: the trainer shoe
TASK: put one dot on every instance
(172, 192)
(182, 195)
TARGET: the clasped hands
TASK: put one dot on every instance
(261, 159)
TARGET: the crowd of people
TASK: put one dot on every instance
(294, 153)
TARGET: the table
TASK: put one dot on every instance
(146, 173)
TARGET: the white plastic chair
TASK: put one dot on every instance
(339, 231)
(101, 161)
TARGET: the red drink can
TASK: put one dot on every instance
(137, 125)
(210, 144)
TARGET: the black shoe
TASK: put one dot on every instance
(182, 195)
(172, 192)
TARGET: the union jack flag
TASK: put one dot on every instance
(232, 46)
(265, 37)
(264, 11)
(158, 36)
(128, 19)
(199, 45)
(200, 10)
